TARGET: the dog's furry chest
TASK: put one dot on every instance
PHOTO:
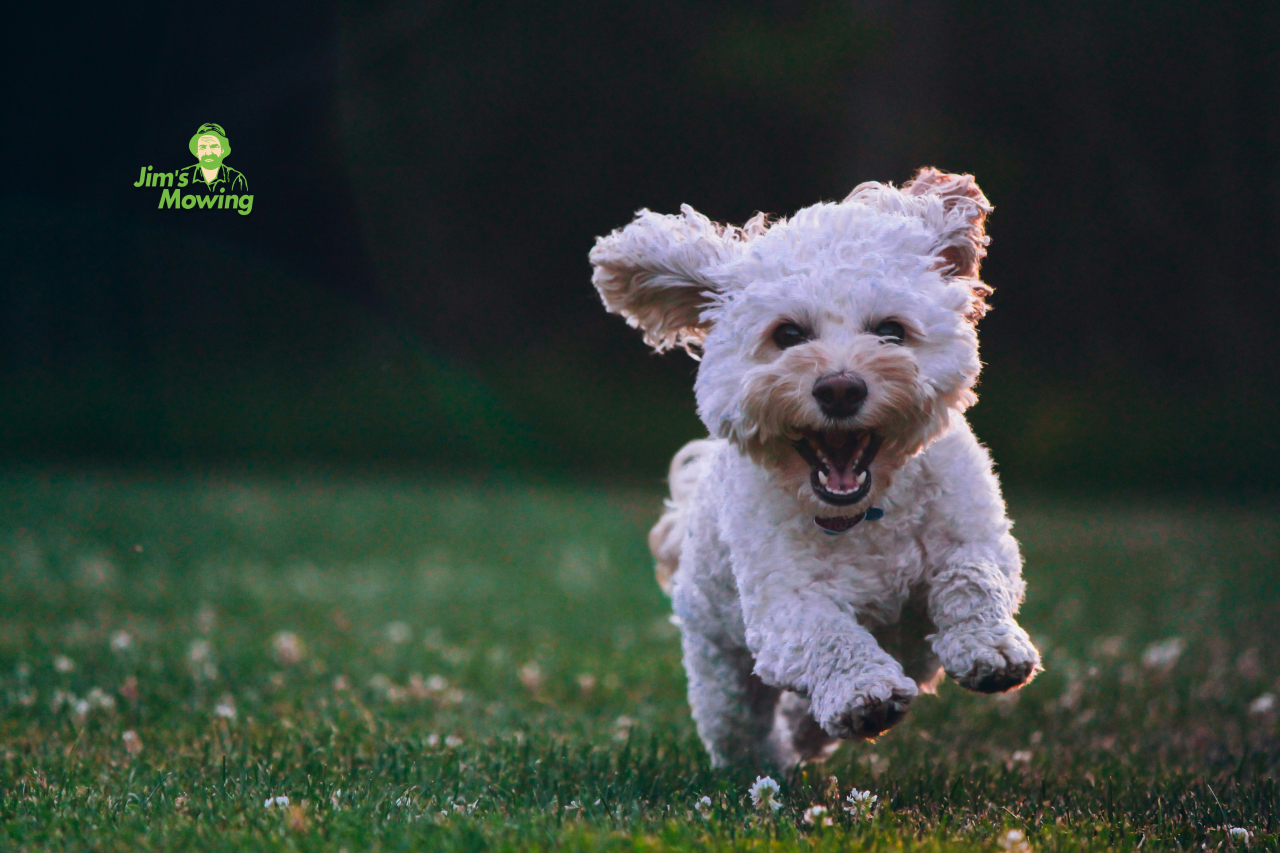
(871, 570)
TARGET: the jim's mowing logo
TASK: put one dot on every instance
(208, 183)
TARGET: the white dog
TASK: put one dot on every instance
(842, 539)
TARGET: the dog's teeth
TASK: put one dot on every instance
(822, 477)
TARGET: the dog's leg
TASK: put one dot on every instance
(975, 574)
(859, 690)
(732, 707)
(978, 641)
(807, 643)
(796, 734)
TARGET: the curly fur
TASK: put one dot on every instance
(794, 638)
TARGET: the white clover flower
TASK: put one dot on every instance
(1014, 841)
(122, 641)
(1019, 756)
(275, 802)
(817, 816)
(199, 651)
(200, 661)
(452, 741)
(702, 806)
(62, 663)
(764, 793)
(398, 633)
(99, 698)
(860, 804)
(132, 743)
(1264, 704)
(288, 648)
(226, 708)
(531, 676)
(1163, 656)
(1239, 834)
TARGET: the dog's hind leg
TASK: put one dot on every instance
(732, 707)
(796, 736)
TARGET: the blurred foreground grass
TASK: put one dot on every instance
(446, 666)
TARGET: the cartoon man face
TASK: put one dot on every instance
(209, 152)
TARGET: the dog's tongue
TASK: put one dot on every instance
(843, 452)
(842, 479)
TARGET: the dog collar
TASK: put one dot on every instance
(842, 524)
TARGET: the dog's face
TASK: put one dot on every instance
(835, 375)
(836, 344)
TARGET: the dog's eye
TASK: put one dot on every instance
(891, 330)
(788, 335)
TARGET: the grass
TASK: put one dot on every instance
(447, 666)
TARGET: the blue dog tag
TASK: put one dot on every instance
(874, 513)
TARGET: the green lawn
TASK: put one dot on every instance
(418, 664)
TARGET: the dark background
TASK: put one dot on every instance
(411, 288)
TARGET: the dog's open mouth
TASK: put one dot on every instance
(841, 463)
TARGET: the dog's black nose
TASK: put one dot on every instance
(840, 395)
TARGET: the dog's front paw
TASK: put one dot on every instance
(989, 658)
(868, 705)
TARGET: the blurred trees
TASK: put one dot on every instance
(430, 178)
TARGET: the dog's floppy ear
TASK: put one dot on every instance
(963, 238)
(656, 272)
(959, 223)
